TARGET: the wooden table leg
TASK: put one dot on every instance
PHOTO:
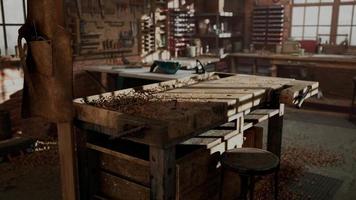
(275, 130)
(254, 67)
(163, 173)
(233, 67)
(67, 158)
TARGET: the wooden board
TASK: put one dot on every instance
(223, 134)
(115, 187)
(123, 165)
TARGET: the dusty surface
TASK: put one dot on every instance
(323, 143)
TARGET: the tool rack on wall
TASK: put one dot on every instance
(268, 25)
(181, 30)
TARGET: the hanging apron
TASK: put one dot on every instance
(47, 64)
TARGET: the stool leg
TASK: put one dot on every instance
(252, 187)
(276, 185)
(244, 187)
(221, 183)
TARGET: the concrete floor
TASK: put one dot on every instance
(330, 131)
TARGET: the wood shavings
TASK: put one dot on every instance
(45, 155)
(144, 103)
(294, 163)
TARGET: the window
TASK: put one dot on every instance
(12, 16)
(346, 29)
(312, 19)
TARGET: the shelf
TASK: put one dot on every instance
(220, 14)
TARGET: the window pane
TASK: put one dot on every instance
(11, 34)
(343, 33)
(345, 15)
(13, 11)
(298, 16)
(325, 15)
(2, 41)
(325, 39)
(327, 1)
(353, 36)
(354, 17)
(324, 30)
(311, 15)
(312, 1)
(297, 31)
(299, 1)
(310, 32)
(1, 16)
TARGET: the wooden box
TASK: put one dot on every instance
(125, 174)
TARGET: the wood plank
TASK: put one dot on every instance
(163, 173)
(255, 118)
(269, 112)
(220, 148)
(123, 165)
(196, 168)
(255, 92)
(223, 134)
(238, 97)
(235, 142)
(205, 142)
(247, 125)
(67, 160)
(115, 187)
(236, 86)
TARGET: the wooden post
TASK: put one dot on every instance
(163, 173)
(67, 157)
(275, 130)
(66, 140)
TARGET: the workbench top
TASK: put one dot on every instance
(169, 112)
(126, 71)
(307, 57)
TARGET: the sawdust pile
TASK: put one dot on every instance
(44, 155)
(294, 162)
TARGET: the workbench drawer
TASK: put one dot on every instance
(128, 172)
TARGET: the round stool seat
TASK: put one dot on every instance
(250, 161)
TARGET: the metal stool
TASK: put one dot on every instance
(353, 103)
(248, 163)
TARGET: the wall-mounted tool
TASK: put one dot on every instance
(165, 67)
(79, 8)
(200, 69)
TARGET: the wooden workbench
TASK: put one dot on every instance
(333, 72)
(181, 111)
(316, 60)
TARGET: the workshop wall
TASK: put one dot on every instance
(103, 28)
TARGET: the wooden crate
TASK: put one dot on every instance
(117, 175)
(253, 137)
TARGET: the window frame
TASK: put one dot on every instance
(3, 23)
(317, 25)
(334, 17)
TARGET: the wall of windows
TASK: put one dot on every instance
(333, 21)
(12, 16)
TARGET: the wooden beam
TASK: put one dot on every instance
(163, 173)
(67, 158)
